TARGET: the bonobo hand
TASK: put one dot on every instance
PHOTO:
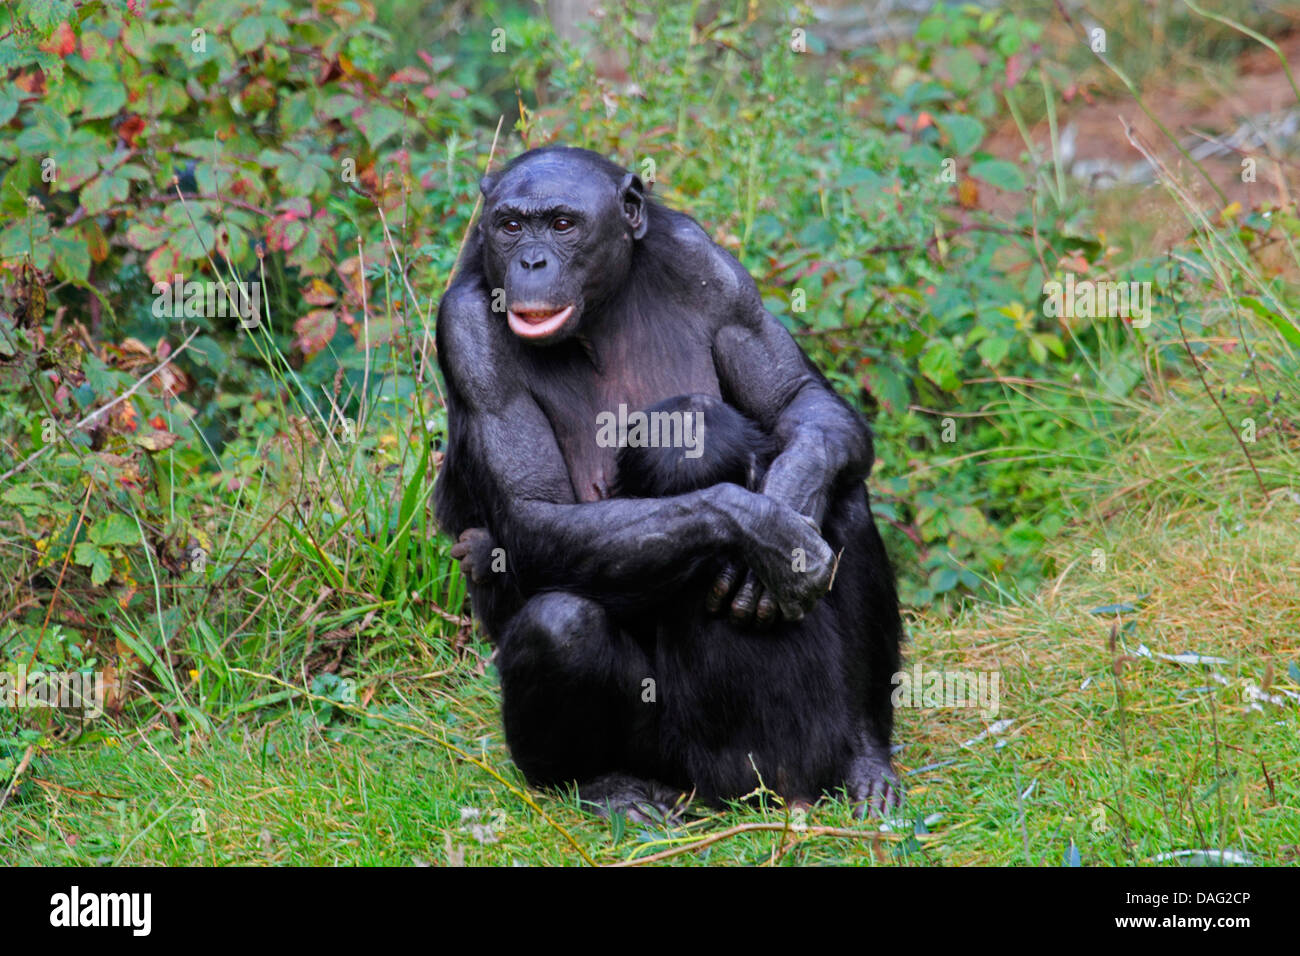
(791, 564)
(474, 552)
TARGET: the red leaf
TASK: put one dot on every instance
(162, 264)
(130, 128)
(315, 329)
(1016, 68)
(318, 292)
(62, 41)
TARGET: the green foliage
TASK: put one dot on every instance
(168, 472)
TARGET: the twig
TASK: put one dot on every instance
(1226, 420)
(18, 772)
(739, 828)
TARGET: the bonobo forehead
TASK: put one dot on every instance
(548, 180)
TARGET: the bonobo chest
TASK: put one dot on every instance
(609, 379)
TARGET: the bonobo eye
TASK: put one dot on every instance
(511, 227)
(562, 224)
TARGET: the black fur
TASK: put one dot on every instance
(611, 667)
(733, 449)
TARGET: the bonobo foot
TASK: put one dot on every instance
(872, 784)
(641, 801)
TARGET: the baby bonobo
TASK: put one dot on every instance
(723, 445)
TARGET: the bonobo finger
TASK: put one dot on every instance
(460, 550)
(768, 612)
(722, 587)
(791, 612)
(746, 600)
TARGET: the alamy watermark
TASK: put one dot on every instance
(75, 908)
(182, 299)
(62, 690)
(679, 429)
(931, 688)
(1098, 299)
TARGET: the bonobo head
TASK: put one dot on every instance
(558, 227)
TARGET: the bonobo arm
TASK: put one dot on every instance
(766, 375)
(628, 551)
(769, 378)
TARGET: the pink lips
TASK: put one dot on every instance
(537, 323)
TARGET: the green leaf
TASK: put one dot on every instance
(1284, 327)
(145, 236)
(964, 69)
(9, 102)
(939, 364)
(965, 132)
(71, 256)
(993, 350)
(969, 522)
(931, 30)
(944, 579)
(999, 173)
(248, 34)
(25, 495)
(114, 529)
(161, 95)
(88, 555)
(1123, 607)
(297, 112)
(48, 14)
(1051, 343)
(413, 494)
(194, 240)
(48, 134)
(889, 387)
(107, 190)
(77, 159)
(302, 177)
(101, 569)
(921, 156)
(103, 100)
(379, 123)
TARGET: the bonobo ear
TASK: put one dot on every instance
(632, 194)
(485, 185)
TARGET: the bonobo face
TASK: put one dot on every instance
(557, 235)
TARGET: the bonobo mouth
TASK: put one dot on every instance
(537, 321)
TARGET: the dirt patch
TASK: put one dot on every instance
(1253, 115)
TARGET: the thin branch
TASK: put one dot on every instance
(761, 828)
(1196, 364)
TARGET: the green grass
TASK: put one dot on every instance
(1161, 758)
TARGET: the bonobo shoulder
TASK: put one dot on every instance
(468, 343)
(723, 272)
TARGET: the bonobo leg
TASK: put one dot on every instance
(875, 634)
(571, 688)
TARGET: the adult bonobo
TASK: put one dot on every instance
(580, 299)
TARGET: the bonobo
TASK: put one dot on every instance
(719, 445)
(580, 302)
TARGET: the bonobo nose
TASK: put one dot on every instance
(533, 260)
